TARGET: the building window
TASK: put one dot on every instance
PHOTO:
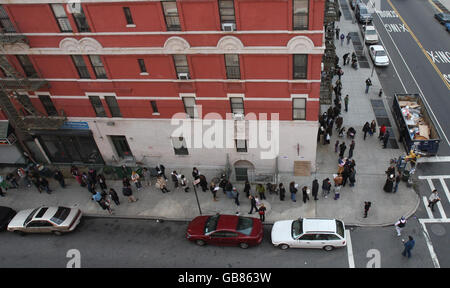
(226, 11)
(181, 64)
(154, 107)
(179, 146)
(300, 66)
(113, 106)
(299, 109)
(121, 145)
(81, 21)
(61, 17)
(142, 66)
(48, 105)
(171, 15)
(232, 66)
(237, 105)
(5, 23)
(241, 145)
(97, 64)
(81, 66)
(27, 66)
(189, 107)
(300, 14)
(98, 106)
(128, 17)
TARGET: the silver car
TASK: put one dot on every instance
(44, 219)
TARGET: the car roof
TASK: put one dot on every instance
(370, 27)
(377, 47)
(319, 225)
(227, 222)
(47, 215)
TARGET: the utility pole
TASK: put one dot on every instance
(195, 182)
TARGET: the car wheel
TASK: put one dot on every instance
(18, 232)
(200, 242)
(243, 245)
(58, 233)
(283, 246)
(328, 248)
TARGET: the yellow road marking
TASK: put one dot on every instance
(435, 6)
(420, 46)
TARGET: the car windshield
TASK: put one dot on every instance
(60, 215)
(297, 228)
(340, 228)
(211, 224)
(244, 225)
(380, 53)
(363, 11)
(371, 32)
(30, 216)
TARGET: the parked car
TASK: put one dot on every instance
(378, 55)
(6, 214)
(225, 230)
(44, 219)
(442, 17)
(370, 35)
(362, 14)
(325, 234)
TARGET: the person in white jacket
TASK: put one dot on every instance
(433, 199)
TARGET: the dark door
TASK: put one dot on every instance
(121, 145)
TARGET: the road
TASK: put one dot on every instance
(419, 49)
(107, 242)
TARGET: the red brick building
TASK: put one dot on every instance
(120, 70)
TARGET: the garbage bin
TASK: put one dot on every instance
(405, 175)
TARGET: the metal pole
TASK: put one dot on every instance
(196, 196)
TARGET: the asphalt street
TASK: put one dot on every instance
(105, 242)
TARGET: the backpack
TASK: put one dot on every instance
(401, 224)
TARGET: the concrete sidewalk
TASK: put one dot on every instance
(371, 162)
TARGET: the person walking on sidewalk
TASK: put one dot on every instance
(346, 102)
(184, 183)
(336, 146)
(60, 178)
(409, 245)
(433, 199)
(113, 194)
(337, 30)
(127, 192)
(342, 148)
(367, 205)
(282, 191)
(366, 129)
(247, 188)
(345, 175)
(252, 204)
(339, 122)
(385, 139)
(262, 213)
(373, 128)
(337, 186)
(305, 194)
(399, 225)
(136, 180)
(326, 187)
(161, 171)
(195, 175)
(350, 151)
(174, 176)
(352, 176)
(213, 188)
(261, 191)
(147, 176)
(102, 182)
(382, 131)
(345, 57)
(348, 37)
(236, 196)
(342, 39)
(203, 182)
(229, 190)
(293, 189)
(368, 84)
(315, 189)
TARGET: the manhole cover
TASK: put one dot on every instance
(438, 229)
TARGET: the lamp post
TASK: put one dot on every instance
(195, 182)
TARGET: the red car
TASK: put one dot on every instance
(225, 230)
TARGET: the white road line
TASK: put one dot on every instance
(428, 241)
(430, 183)
(434, 177)
(439, 205)
(433, 159)
(441, 210)
(444, 186)
(414, 79)
(425, 202)
(351, 260)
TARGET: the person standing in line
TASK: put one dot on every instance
(174, 176)
(161, 184)
(342, 39)
(293, 189)
(326, 187)
(136, 180)
(60, 178)
(184, 183)
(350, 151)
(92, 176)
(373, 128)
(113, 194)
(366, 129)
(433, 199)
(409, 245)
(102, 182)
(382, 131)
(352, 178)
(337, 186)
(345, 57)
(43, 183)
(262, 213)
(339, 122)
(229, 190)
(147, 176)
(385, 139)
(368, 84)
(397, 181)
(346, 102)
(253, 204)
(366, 208)
(337, 30)
(345, 175)
(126, 181)
(342, 148)
(305, 194)
(236, 196)
(214, 190)
(399, 225)
(349, 37)
(282, 191)
(315, 189)
(247, 188)
(203, 182)
(195, 175)
(261, 191)
(336, 146)
(126, 191)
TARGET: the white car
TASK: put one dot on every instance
(44, 219)
(378, 55)
(370, 35)
(325, 234)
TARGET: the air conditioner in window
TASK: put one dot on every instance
(238, 116)
(228, 27)
(183, 76)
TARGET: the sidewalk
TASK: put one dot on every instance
(371, 162)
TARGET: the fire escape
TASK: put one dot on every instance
(27, 118)
(331, 15)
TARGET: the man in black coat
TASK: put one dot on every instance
(342, 148)
(253, 204)
(315, 189)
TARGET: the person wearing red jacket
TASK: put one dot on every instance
(382, 131)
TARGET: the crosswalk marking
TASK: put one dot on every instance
(351, 260)
(430, 214)
(428, 240)
(447, 193)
